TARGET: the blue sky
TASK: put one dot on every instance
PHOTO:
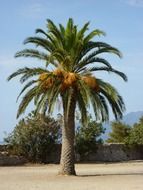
(122, 20)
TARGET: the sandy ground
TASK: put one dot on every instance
(117, 176)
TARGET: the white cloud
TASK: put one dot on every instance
(135, 3)
(33, 10)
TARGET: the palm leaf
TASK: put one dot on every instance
(38, 41)
(91, 61)
(32, 53)
(121, 74)
(26, 86)
(26, 100)
(92, 34)
(82, 105)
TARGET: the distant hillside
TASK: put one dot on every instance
(130, 119)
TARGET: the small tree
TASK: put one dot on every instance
(34, 137)
(136, 134)
(120, 131)
(87, 137)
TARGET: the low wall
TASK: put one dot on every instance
(114, 153)
(102, 153)
(10, 160)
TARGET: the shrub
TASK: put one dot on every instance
(87, 137)
(34, 137)
(136, 134)
(120, 131)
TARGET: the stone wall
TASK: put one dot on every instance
(102, 153)
(10, 160)
(114, 153)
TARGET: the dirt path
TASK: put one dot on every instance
(121, 176)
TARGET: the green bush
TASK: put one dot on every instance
(136, 134)
(87, 137)
(120, 131)
(34, 137)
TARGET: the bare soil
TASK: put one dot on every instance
(113, 176)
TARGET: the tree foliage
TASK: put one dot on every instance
(72, 60)
(120, 131)
(136, 134)
(34, 137)
(87, 137)
(130, 135)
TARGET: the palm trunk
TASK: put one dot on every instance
(68, 134)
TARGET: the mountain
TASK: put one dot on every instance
(130, 119)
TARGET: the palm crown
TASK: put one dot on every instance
(72, 59)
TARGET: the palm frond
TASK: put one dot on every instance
(115, 100)
(39, 30)
(53, 29)
(93, 60)
(109, 69)
(32, 73)
(53, 96)
(62, 29)
(26, 100)
(18, 72)
(67, 101)
(99, 106)
(84, 91)
(82, 105)
(82, 31)
(30, 83)
(92, 34)
(38, 41)
(95, 46)
(32, 53)
(41, 102)
(108, 50)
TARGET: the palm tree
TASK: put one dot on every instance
(72, 59)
